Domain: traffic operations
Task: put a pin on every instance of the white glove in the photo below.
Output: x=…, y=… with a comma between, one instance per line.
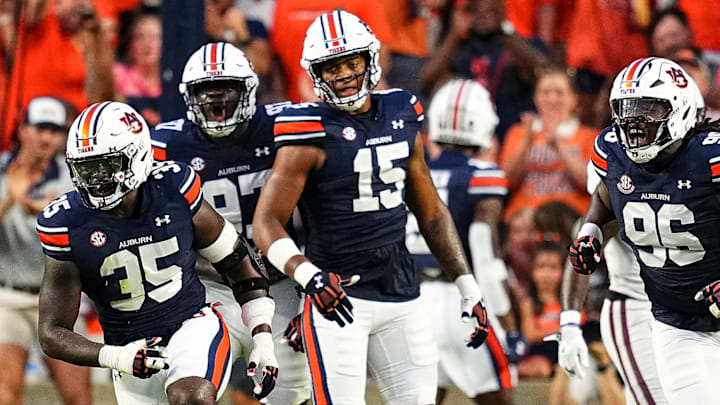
x=573, y=352
x=263, y=356
x=137, y=358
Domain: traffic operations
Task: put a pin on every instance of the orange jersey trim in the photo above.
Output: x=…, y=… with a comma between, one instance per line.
x=299, y=127
x=55, y=240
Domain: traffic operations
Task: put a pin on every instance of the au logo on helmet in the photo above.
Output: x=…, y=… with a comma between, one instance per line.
x=678, y=77
x=133, y=123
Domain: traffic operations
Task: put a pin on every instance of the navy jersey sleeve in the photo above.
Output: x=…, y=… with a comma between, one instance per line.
x=160, y=136
x=300, y=125
x=600, y=151
x=177, y=177
x=487, y=182
x=411, y=110
x=711, y=146
x=53, y=230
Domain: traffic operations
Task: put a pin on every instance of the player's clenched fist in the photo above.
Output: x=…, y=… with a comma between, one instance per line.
x=138, y=358
x=325, y=291
x=585, y=254
x=711, y=295
x=478, y=313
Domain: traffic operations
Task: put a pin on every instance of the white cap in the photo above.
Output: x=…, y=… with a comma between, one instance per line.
x=46, y=110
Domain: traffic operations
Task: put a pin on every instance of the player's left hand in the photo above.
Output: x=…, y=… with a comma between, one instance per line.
x=711, y=295
x=475, y=310
x=293, y=334
x=585, y=254
x=263, y=356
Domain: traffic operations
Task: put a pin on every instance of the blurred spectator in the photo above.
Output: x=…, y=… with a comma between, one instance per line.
x=540, y=310
x=408, y=46
x=668, y=32
x=481, y=45
x=293, y=17
x=704, y=18
x=224, y=22
x=545, y=156
x=138, y=79
x=547, y=20
x=31, y=175
x=62, y=49
x=519, y=249
x=604, y=36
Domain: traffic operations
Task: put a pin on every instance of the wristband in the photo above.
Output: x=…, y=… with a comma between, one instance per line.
x=280, y=252
x=590, y=229
x=257, y=312
x=304, y=272
x=119, y=358
x=468, y=286
x=570, y=317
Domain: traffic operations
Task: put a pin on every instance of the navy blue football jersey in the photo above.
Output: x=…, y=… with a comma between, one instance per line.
x=671, y=219
x=461, y=182
x=139, y=271
x=353, y=206
x=232, y=175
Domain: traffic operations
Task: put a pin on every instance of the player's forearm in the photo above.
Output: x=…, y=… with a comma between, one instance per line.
x=573, y=290
x=445, y=244
x=64, y=344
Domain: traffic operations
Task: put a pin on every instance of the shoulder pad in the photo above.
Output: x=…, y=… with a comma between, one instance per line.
x=177, y=177
x=601, y=148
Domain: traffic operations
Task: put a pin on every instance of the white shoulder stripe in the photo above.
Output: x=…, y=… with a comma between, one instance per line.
x=413, y=99
x=281, y=138
x=598, y=150
x=61, y=229
x=55, y=248
x=197, y=201
x=714, y=160
x=293, y=118
x=158, y=144
x=498, y=173
x=421, y=117
x=186, y=186
x=487, y=190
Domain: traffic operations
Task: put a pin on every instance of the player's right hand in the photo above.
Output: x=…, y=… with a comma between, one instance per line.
x=585, y=254
x=326, y=292
x=293, y=334
x=711, y=295
x=138, y=358
x=573, y=352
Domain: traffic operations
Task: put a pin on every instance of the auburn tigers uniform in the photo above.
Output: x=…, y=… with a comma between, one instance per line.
x=626, y=320
x=461, y=182
x=354, y=210
x=232, y=177
x=140, y=273
x=670, y=219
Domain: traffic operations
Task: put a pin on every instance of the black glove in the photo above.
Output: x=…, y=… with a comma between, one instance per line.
x=711, y=295
x=479, y=314
x=293, y=334
x=585, y=254
x=325, y=291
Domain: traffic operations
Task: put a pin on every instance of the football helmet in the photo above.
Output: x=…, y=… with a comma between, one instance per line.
x=337, y=34
x=218, y=86
x=108, y=153
x=654, y=104
x=461, y=113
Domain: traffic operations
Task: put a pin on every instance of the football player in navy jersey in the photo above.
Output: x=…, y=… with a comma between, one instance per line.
x=462, y=123
x=660, y=168
x=353, y=162
x=129, y=237
x=228, y=141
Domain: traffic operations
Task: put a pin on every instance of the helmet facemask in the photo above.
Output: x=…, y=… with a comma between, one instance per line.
x=642, y=125
x=329, y=88
x=101, y=180
x=220, y=105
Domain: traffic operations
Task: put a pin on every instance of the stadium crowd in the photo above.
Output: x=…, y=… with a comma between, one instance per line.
x=547, y=66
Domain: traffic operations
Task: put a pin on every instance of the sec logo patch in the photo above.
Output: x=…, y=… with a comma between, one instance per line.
x=197, y=163
x=349, y=134
x=98, y=238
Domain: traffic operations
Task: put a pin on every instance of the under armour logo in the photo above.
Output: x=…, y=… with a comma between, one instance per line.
x=318, y=281
x=162, y=221
x=398, y=124
x=264, y=151
x=684, y=184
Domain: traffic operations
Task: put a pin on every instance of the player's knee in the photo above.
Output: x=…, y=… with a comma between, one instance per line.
x=192, y=391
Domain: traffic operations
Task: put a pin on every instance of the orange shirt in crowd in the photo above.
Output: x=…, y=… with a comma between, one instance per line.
x=293, y=17
x=409, y=33
x=604, y=37
x=48, y=62
x=704, y=19
x=545, y=177
x=523, y=15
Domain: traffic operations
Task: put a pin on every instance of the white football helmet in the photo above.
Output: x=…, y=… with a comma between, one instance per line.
x=337, y=34
x=218, y=86
x=108, y=153
x=461, y=113
x=654, y=104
